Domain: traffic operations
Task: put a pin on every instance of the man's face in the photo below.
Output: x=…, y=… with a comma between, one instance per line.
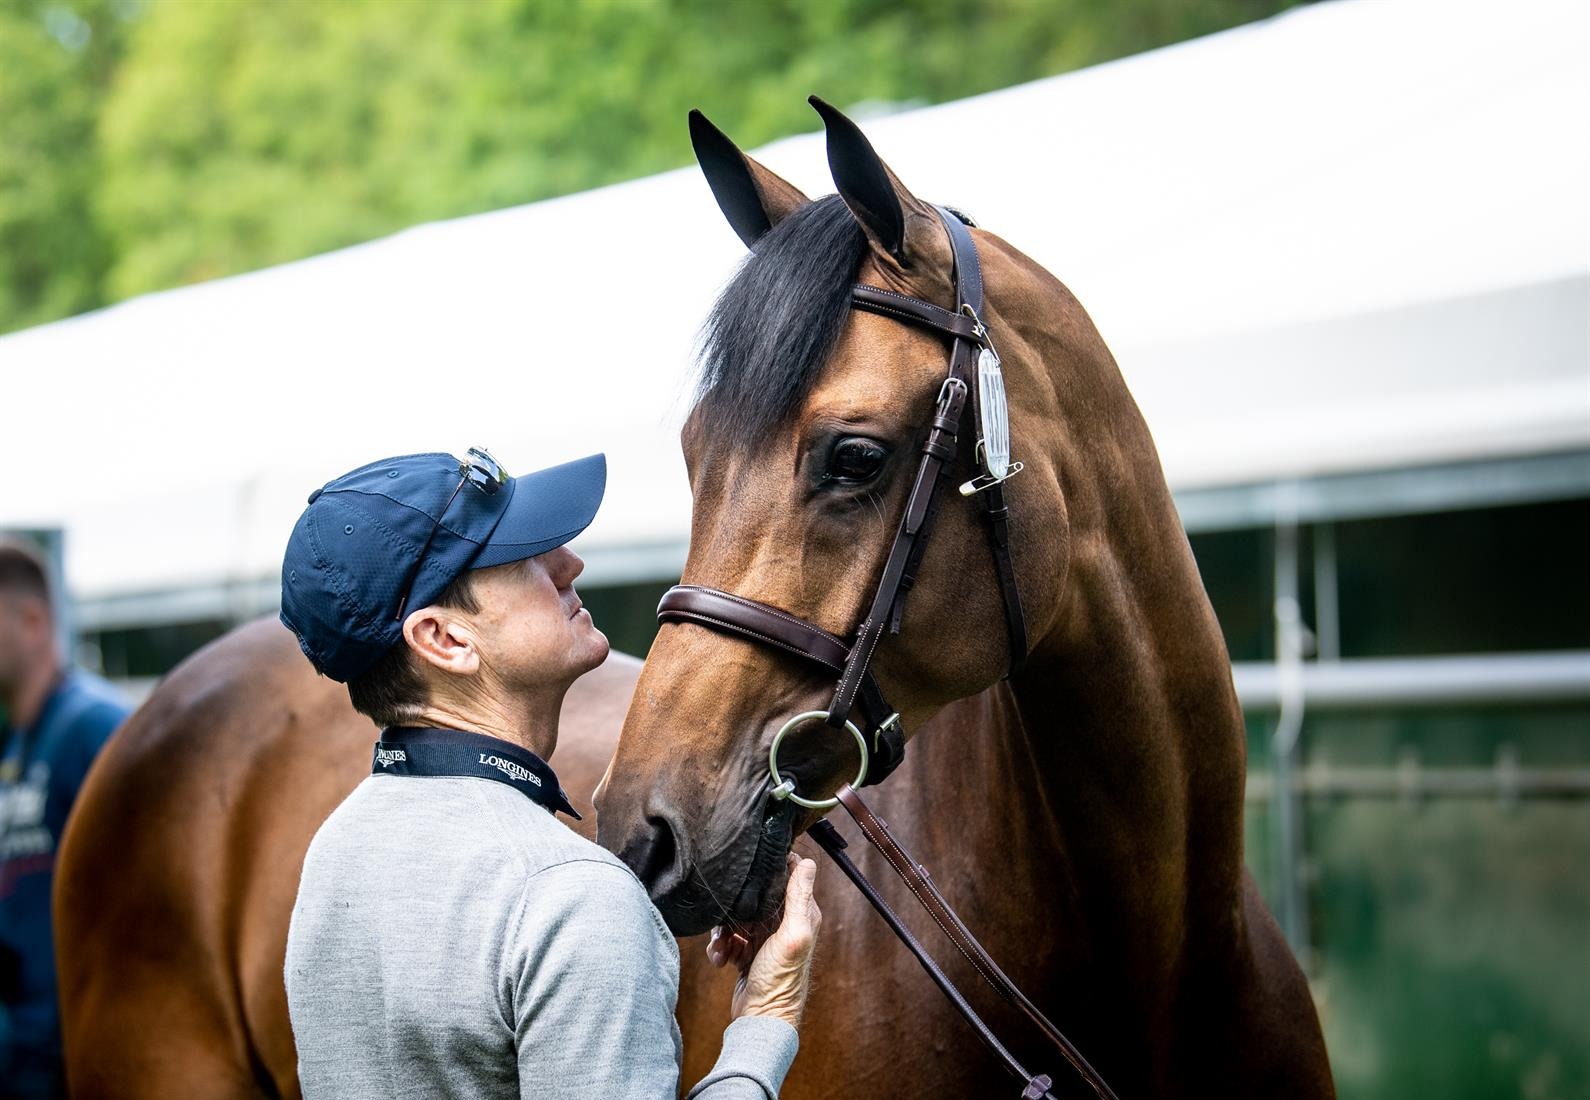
x=24, y=636
x=531, y=626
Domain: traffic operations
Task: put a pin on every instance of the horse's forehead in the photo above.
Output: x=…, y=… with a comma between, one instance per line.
x=875, y=371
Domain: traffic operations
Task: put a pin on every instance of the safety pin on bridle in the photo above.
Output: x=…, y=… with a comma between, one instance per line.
x=988, y=481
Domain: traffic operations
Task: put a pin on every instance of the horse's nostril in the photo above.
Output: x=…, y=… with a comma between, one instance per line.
x=651, y=855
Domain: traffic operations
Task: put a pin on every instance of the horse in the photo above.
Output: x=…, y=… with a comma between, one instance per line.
x=1081, y=800
x=180, y=864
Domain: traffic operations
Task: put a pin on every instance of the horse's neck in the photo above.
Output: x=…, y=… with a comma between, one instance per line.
x=1104, y=782
x=1130, y=716
x=1086, y=815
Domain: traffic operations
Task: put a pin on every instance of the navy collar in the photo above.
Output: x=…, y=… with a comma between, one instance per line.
x=404, y=750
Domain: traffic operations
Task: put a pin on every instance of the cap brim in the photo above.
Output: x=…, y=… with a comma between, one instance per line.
x=547, y=509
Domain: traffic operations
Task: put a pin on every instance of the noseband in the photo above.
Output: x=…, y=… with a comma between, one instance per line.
x=966, y=390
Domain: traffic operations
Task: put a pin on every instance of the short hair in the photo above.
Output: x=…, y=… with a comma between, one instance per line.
x=392, y=691
x=22, y=570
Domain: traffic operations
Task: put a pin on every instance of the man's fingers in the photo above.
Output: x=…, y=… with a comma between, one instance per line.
x=798, y=894
x=798, y=925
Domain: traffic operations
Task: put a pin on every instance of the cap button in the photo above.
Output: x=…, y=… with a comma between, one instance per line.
x=314, y=496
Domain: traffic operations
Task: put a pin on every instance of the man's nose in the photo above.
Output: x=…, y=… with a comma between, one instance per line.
x=570, y=566
x=562, y=565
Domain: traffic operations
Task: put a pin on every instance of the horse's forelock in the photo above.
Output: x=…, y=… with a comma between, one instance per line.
x=777, y=322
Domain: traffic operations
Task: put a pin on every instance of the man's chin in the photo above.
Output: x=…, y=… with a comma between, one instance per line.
x=600, y=647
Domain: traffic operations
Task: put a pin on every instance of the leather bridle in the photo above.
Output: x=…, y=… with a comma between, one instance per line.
x=958, y=396
x=879, y=738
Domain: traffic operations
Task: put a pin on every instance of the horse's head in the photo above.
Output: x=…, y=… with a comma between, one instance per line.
x=801, y=448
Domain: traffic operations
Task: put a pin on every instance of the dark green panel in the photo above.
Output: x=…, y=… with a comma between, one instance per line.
x=149, y=651
x=1239, y=576
x=1488, y=580
x=1451, y=946
x=1450, y=934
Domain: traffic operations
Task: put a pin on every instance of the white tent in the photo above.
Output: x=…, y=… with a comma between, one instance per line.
x=1353, y=238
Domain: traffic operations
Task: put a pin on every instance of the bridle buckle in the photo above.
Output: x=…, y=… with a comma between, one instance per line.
x=890, y=723
x=950, y=383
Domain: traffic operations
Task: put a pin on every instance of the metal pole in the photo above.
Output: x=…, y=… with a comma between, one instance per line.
x=1290, y=640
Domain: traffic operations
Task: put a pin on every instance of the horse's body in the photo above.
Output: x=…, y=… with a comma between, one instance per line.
x=178, y=873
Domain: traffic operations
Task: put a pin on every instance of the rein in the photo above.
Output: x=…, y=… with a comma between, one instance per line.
x=973, y=385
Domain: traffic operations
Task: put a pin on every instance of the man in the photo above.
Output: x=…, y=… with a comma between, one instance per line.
x=451, y=938
x=53, y=721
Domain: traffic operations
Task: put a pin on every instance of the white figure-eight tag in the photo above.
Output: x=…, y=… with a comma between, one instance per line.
x=995, y=413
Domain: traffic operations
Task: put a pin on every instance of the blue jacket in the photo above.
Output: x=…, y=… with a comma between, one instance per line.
x=41, y=769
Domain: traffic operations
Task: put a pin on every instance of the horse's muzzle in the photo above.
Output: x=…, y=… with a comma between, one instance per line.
x=734, y=883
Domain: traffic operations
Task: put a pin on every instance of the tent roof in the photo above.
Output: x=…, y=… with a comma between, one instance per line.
x=1352, y=237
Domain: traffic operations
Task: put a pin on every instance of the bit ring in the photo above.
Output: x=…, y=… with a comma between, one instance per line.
x=785, y=788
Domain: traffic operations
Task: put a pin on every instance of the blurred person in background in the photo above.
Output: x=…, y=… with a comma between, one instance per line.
x=53, y=721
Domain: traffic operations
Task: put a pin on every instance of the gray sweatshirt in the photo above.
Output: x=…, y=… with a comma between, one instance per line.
x=451, y=938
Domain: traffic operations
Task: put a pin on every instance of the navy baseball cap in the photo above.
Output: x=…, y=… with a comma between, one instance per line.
x=353, y=552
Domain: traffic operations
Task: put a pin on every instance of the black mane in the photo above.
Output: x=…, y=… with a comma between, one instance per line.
x=776, y=323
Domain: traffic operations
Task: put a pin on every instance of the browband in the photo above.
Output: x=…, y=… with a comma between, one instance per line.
x=874, y=299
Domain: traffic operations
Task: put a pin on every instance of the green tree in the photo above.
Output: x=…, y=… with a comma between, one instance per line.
x=240, y=133
x=54, y=62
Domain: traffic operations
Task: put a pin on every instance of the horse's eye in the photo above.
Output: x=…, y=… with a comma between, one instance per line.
x=856, y=460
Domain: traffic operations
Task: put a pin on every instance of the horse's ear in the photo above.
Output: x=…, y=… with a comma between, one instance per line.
x=751, y=197
x=895, y=221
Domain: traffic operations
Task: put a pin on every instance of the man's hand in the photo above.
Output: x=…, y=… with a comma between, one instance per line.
x=775, y=982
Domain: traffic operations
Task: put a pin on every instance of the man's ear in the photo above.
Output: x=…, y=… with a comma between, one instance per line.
x=753, y=198
x=442, y=639
x=898, y=224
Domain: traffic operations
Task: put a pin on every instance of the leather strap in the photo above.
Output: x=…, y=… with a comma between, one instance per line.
x=917, y=880
x=768, y=625
x=968, y=270
x=752, y=619
x=938, y=450
x=914, y=561
x=828, y=838
x=914, y=311
x=996, y=516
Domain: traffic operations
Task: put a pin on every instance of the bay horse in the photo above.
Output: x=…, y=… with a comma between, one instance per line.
x=1086, y=811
